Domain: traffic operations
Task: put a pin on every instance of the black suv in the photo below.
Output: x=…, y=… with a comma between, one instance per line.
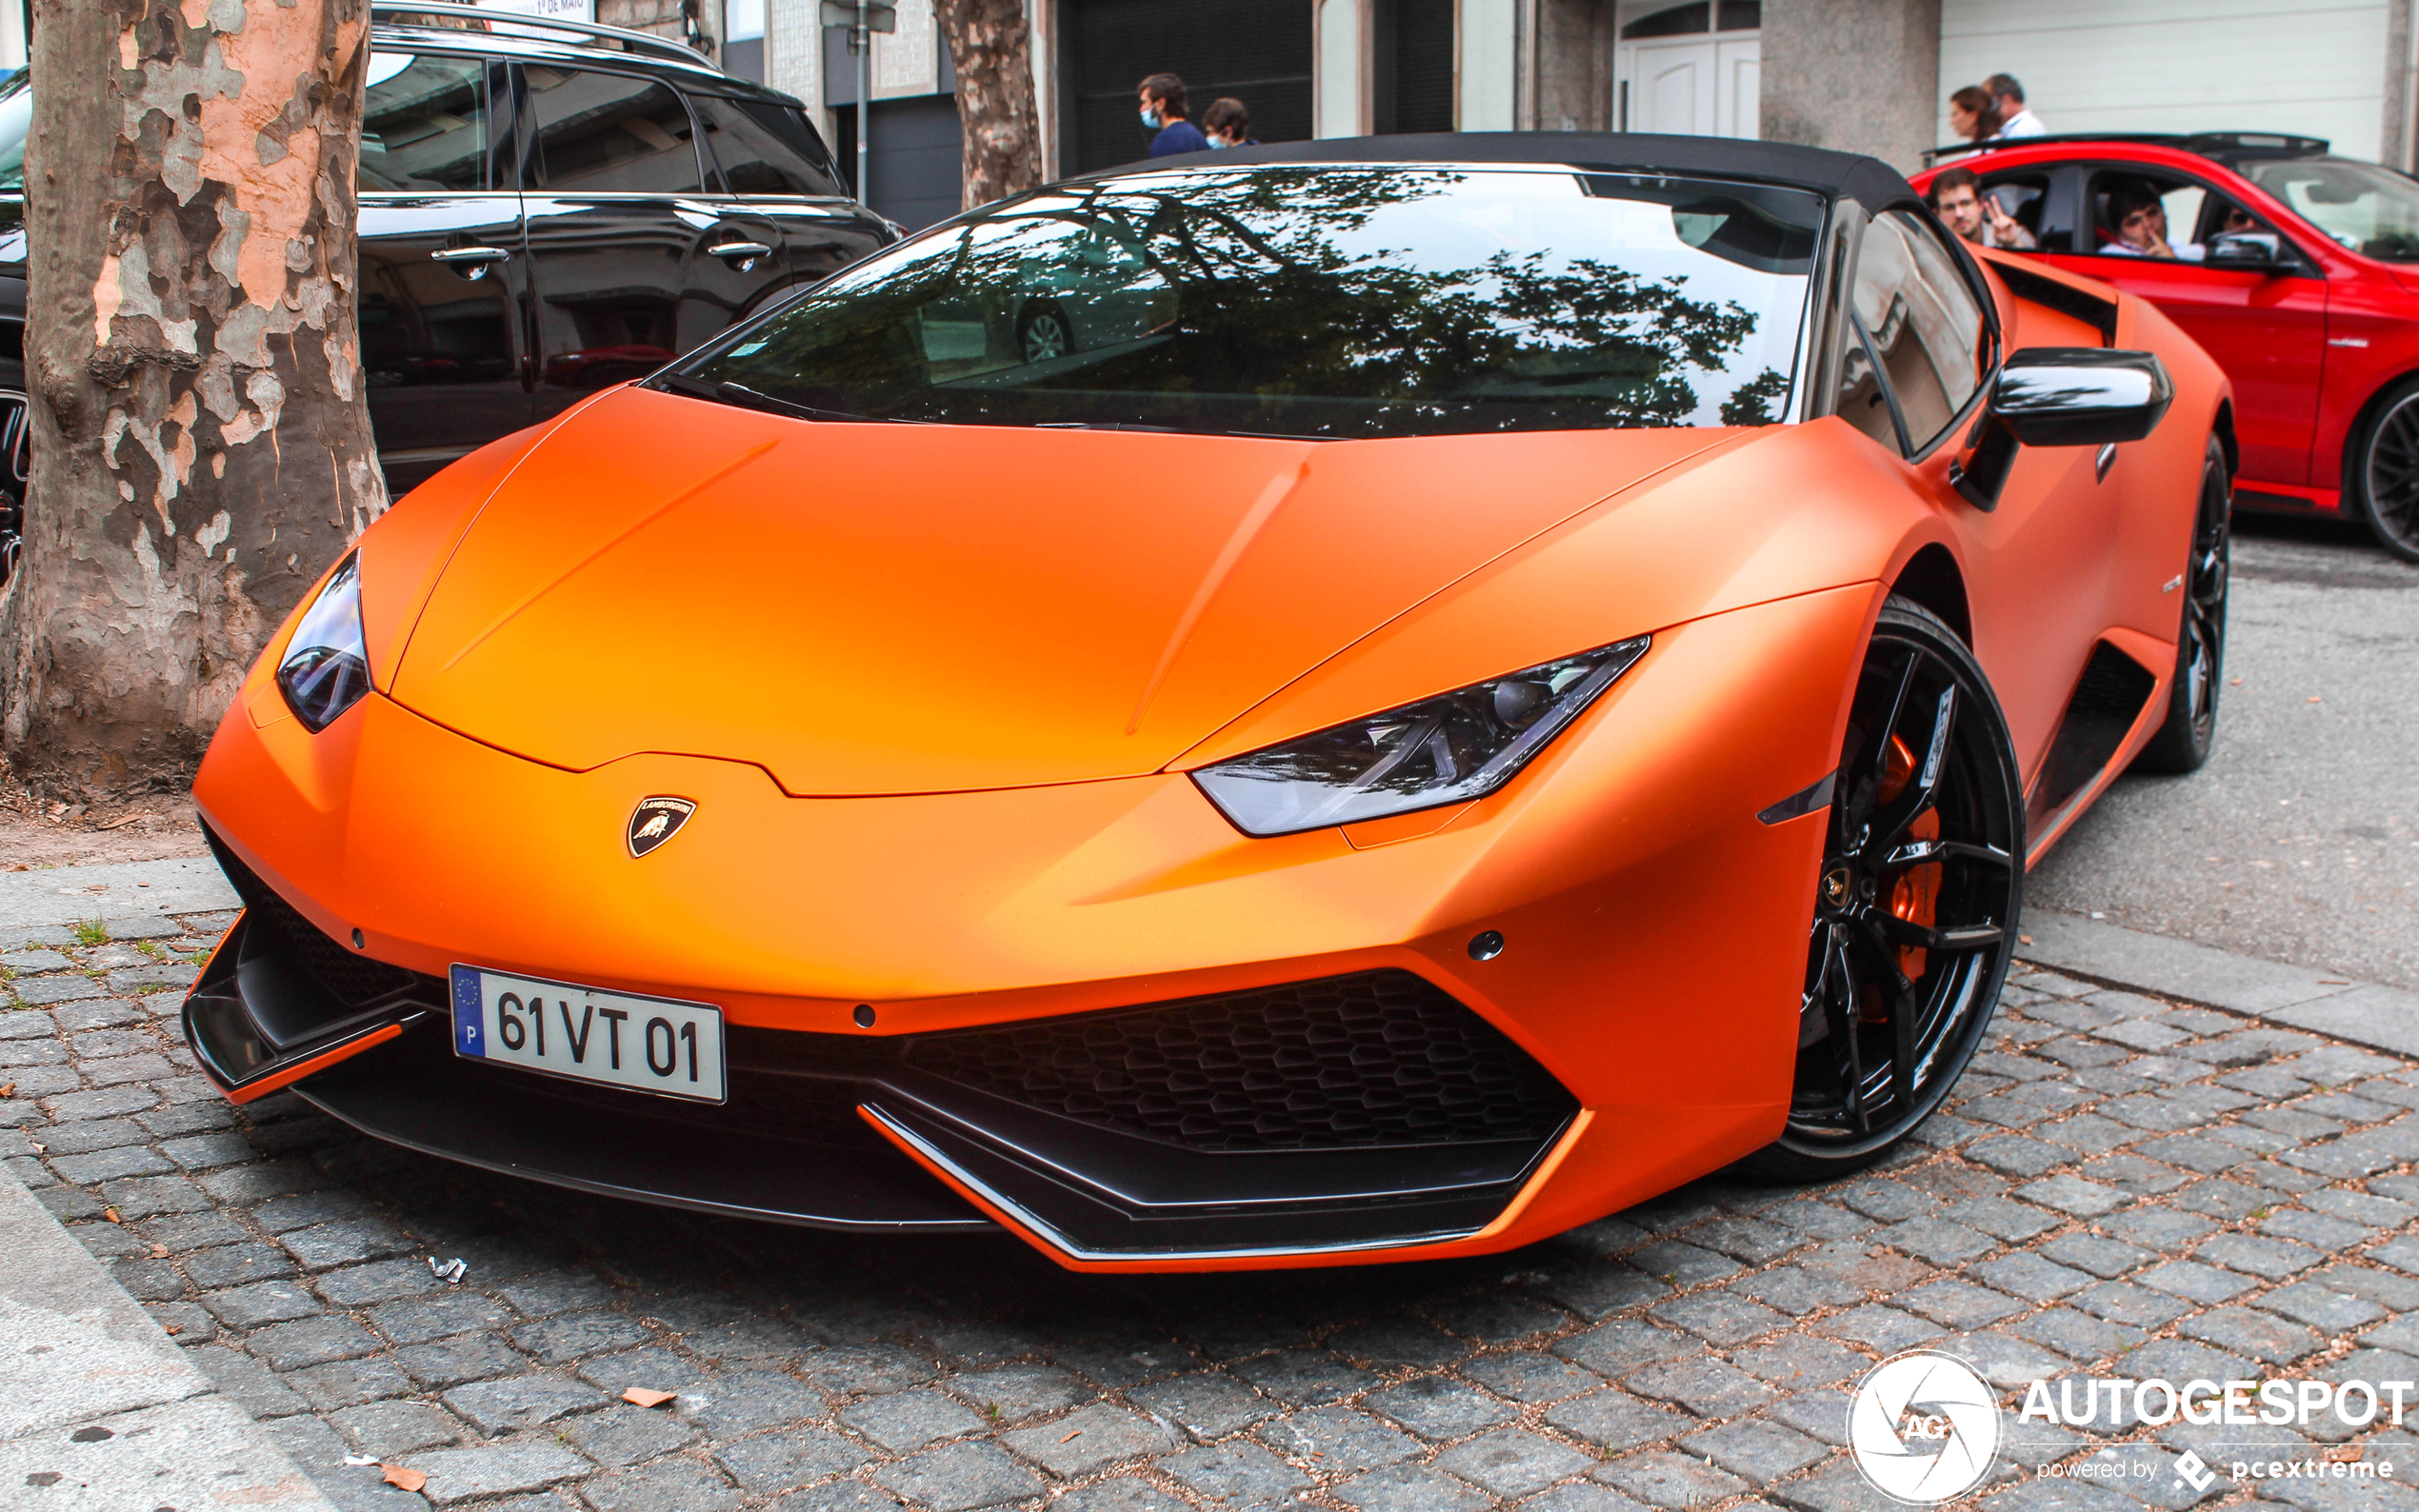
x=547, y=208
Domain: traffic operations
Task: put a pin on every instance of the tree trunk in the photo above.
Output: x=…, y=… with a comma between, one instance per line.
x=992, y=48
x=201, y=446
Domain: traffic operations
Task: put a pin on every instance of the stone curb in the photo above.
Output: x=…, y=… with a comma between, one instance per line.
x=66, y=895
x=2364, y=1013
x=101, y=1406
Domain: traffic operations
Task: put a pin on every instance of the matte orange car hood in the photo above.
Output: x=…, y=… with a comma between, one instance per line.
x=890, y=608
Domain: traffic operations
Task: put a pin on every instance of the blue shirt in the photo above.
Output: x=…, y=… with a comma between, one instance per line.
x=1178, y=136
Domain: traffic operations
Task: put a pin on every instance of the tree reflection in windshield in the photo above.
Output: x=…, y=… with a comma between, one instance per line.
x=1331, y=301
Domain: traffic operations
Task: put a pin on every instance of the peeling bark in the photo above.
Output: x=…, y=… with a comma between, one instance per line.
x=990, y=46
x=201, y=443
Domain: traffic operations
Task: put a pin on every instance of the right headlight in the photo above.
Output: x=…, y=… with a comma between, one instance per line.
x=1446, y=749
x=325, y=669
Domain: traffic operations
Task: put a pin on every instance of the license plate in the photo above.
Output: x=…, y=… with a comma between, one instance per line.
x=648, y=1045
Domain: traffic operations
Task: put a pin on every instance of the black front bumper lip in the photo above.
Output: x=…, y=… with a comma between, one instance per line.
x=819, y=1130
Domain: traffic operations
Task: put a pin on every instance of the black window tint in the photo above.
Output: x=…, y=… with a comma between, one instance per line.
x=608, y=134
x=763, y=147
x=425, y=124
x=1924, y=320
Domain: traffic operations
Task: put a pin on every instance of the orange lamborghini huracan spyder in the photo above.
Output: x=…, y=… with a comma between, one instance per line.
x=1352, y=701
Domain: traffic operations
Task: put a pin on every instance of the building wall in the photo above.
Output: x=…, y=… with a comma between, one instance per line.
x=2315, y=68
x=1854, y=75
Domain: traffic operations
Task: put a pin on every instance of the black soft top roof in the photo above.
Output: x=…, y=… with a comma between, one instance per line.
x=1869, y=181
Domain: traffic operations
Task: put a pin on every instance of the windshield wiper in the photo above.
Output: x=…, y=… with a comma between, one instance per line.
x=746, y=398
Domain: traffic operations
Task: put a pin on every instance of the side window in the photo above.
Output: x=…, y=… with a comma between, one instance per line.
x=1862, y=404
x=2025, y=198
x=1922, y=320
x=2165, y=216
x=425, y=124
x=610, y=133
x=763, y=147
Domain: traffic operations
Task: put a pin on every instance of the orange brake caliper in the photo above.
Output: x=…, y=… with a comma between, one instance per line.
x=1916, y=896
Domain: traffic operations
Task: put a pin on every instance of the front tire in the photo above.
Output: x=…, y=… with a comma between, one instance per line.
x=1916, y=904
x=2183, y=739
x=2384, y=466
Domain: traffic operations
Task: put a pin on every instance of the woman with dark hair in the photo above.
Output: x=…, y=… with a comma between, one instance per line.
x=1973, y=114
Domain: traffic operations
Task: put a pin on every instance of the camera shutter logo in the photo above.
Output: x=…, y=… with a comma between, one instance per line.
x=1923, y=1426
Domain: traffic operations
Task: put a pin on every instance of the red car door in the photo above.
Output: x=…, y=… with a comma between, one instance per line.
x=2267, y=329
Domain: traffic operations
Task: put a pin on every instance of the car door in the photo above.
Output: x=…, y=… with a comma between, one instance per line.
x=1919, y=346
x=636, y=255
x=774, y=170
x=444, y=274
x=2266, y=327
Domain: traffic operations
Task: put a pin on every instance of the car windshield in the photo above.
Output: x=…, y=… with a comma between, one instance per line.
x=2373, y=211
x=1321, y=301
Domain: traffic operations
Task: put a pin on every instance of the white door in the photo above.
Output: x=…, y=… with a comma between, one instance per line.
x=1693, y=86
x=1739, y=88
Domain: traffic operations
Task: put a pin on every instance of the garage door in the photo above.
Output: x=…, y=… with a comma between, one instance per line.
x=1257, y=50
x=2315, y=68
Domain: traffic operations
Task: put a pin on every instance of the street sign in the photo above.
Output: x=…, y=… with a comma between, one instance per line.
x=878, y=17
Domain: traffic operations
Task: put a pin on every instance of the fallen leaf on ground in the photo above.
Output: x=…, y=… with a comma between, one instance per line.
x=1072, y=1437
x=2345, y=1453
x=121, y=824
x=173, y=1329
x=403, y=1479
x=159, y=1252
x=9, y=1090
x=110, y=1213
x=2023, y=939
x=2315, y=699
x=641, y=1397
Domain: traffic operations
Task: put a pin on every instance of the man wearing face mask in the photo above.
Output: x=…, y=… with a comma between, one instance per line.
x=1227, y=125
x=1162, y=97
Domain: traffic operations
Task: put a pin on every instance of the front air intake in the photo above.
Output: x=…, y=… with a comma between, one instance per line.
x=1382, y=1058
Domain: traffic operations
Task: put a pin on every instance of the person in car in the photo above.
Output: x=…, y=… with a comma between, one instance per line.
x=1958, y=200
x=1973, y=114
x=2139, y=219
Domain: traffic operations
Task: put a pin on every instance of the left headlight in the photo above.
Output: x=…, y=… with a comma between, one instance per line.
x=325, y=669
x=1446, y=749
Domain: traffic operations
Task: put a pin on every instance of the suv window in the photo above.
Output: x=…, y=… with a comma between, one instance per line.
x=763, y=147
x=610, y=133
x=1924, y=324
x=425, y=126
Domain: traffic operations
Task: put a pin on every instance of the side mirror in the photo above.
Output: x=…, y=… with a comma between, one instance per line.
x=2259, y=251
x=2060, y=396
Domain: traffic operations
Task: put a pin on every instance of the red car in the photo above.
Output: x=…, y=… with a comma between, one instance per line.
x=2297, y=269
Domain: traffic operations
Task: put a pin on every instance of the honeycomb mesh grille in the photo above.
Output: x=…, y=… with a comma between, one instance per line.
x=1382, y=1058
x=355, y=979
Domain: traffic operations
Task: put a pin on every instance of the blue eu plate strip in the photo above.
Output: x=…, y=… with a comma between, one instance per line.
x=466, y=1015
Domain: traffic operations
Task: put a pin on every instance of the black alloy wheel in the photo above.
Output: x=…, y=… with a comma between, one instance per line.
x=2183, y=739
x=1042, y=332
x=1915, y=906
x=2384, y=484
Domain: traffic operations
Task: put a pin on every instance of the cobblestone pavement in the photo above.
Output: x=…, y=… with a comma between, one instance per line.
x=2163, y=1191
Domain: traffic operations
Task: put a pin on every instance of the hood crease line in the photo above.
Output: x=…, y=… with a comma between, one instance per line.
x=1246, y=530
x=575, y=568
